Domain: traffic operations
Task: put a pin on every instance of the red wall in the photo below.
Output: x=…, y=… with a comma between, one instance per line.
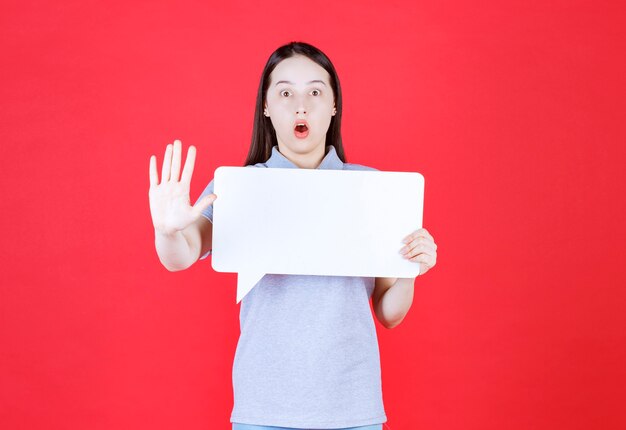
x=513, y=112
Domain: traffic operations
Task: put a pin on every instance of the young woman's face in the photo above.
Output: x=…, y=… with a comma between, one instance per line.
x=300, y=93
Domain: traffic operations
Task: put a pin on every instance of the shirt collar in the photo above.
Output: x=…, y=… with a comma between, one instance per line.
x=331, y=160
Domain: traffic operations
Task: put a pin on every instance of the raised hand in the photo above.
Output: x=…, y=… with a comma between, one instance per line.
x=169, y=200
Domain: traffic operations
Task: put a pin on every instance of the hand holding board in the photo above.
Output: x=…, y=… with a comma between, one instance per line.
x=313, y=222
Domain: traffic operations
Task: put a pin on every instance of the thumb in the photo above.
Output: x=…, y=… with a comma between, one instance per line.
x=423, y=268
x=204, y=203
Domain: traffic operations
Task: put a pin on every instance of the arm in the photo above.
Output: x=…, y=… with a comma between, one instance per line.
x=181, y=233
x=181, y=249
x=392, y=298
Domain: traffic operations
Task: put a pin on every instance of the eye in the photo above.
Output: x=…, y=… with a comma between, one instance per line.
x=282, y=93
x=316, y=92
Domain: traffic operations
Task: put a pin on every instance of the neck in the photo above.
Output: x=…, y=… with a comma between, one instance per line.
x=308, y=160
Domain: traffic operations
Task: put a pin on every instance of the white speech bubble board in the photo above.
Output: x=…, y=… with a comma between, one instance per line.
x=313, y=222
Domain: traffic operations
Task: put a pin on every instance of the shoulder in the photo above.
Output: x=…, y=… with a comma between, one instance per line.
x=350, y=166
x=257, y=165
x=211, y=186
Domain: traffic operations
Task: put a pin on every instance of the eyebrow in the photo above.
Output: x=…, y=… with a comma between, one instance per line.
x=291, y=83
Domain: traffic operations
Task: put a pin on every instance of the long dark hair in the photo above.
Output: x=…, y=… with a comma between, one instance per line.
x=263, y=133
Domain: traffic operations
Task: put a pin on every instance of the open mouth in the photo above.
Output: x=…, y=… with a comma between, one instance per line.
x=301, y=129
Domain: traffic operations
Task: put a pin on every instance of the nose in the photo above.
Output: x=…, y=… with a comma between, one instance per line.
x=301, y=107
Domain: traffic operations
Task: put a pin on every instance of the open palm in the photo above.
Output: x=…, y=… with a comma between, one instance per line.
x=169, y=200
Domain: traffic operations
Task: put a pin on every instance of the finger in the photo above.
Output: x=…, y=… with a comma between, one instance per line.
x=176, y=159
x=408, y=238
x=428, y=260
x=189, y=163
x=420, y=249
x=422, y=232
x=421, y=242
x=167, y=163
x=154, y=176
x=425, y=233
x=203, y=203
x=411, y=237
x=423, y=263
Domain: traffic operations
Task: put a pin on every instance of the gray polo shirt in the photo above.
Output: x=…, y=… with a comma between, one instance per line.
x=307, y=355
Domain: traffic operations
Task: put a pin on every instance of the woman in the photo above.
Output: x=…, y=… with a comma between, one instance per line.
x=307, y=356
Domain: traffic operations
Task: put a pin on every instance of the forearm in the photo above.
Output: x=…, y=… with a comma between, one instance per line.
x=174, y=250
x=396, y=302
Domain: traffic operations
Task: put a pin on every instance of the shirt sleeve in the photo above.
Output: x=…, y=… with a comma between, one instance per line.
x=207, y=212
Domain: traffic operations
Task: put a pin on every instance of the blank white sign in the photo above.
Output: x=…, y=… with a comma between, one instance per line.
x=313, y=222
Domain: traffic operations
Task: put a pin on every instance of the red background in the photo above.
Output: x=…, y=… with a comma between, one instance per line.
x=513, y=112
